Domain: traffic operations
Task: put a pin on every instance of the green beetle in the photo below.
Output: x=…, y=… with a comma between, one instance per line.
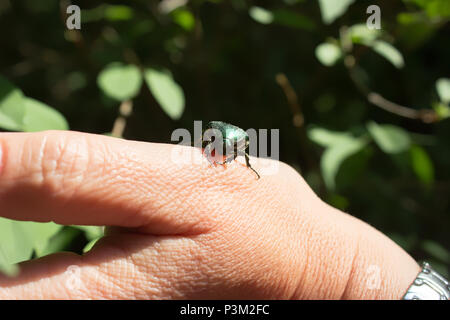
x=233, y=138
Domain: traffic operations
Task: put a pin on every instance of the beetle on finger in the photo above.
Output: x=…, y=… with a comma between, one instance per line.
x=234, y=139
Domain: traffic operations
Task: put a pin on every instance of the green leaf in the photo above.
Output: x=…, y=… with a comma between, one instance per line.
x=443, y=89
x=442, y=110
x=389, y=52
x=166, y=91
x=184, y=18
x=61, y=241
x=261, y=15
x=338, y=201
x=39, y=117
x=8, y=123
x=12, y=106
x=90, y=245
x=359, y=33
x=15, y=244
x=7, y=268
x=438, y=8
x=120, y=82
x=390, y=139
x=76, y=80
x=422, y=165
x=91, y=232
x=292, y=19
x=333, y=9
x=118, y=12
x=354, y=167
x=327, y=138
x=409, y=18
x=334, y=156
x=328, y=53
x=436, y=250
x=40, y=234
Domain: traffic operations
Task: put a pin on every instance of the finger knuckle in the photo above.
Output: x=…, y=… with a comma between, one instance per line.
x=62, y=160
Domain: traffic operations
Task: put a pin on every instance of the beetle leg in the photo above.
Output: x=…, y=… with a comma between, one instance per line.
x=208, y=154
x=247, y=162
x=227, y=159
x=232, y=157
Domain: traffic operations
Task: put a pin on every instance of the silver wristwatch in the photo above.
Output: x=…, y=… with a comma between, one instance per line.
x=428, y=285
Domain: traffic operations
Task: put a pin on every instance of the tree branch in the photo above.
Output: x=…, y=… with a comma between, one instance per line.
x=298, y=120
x=125, y=109
x=425, y=115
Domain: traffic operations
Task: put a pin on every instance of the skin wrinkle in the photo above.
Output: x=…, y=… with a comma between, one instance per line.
x=107, y=270
x=144, y=185
x=192, y=272
x=42, y=160
x=245, y=229
x=80, y=161
x=344, y=293
x=136, y=265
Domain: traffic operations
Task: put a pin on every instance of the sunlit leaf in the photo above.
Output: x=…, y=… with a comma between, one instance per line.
x=443, y=89
x=15, y=244
x=118, y=12
x=442, y=110
x=12, y=106
x=184, y=18
x=120, y=82
x=39, y=117
x=389, y=52
x=327, y=138
x=166, y=91
x=408, y=18
x=334, y=156
x=438, y=8
x=167, y=6
x=422, y=165
x=6, y=267
x=359, y=33
x=261, y=15
x=328, y=53
x=390, y=138
x=40, y=234
x=333, y=9
x=90, y=245
x=8, y=123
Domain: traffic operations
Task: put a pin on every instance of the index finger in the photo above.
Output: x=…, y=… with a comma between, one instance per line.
x=78, y=178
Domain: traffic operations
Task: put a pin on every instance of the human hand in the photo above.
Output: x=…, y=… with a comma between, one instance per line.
x=185, y=230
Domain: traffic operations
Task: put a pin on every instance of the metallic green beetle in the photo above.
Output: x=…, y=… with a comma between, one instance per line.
x=233, y=138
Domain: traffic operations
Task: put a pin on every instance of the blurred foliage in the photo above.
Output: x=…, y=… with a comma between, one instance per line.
x=367, y=127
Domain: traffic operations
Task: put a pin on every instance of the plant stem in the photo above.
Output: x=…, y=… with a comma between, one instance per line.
x=126, y=108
